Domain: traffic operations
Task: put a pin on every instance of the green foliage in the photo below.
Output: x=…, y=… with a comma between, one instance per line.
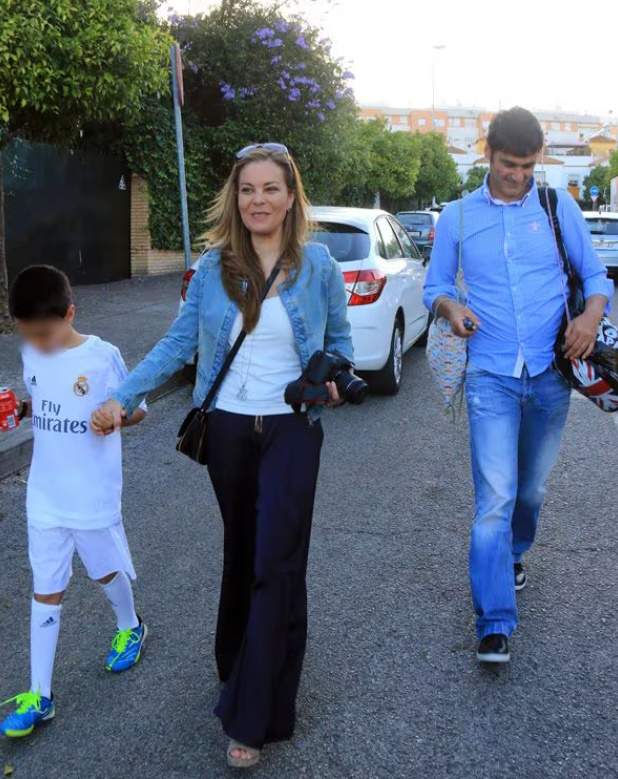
x=150, y=147
x=600, y=177
x=613, y=165
x=381, y=161
x=438, y=175
x=475, y=178
x=249, y=75
x=407, y=170
x=63, y=64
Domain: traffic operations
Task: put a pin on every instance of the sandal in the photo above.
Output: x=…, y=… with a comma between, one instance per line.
x=252, y=759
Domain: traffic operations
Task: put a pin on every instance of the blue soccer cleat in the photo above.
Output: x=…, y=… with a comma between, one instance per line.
x=30, y=710
x=126, y=648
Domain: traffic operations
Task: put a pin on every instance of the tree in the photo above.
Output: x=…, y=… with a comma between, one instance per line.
x=599, y=176
x=613, y=165
x=250, y=74
x=380, y=161
x=475, y=178
x=65, y=64
x=438, y=175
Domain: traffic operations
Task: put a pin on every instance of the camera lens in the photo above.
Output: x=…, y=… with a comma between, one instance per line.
x=350, y=387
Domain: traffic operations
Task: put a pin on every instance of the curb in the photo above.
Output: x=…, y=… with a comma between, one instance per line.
x=15, y=454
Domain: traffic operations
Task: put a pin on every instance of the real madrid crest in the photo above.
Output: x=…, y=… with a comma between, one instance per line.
x=81, y=387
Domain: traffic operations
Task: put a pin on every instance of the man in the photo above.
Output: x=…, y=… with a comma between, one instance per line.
x=517, y=402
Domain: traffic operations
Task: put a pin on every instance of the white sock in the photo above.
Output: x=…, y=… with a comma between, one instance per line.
x=120, y=594
x=44, y=630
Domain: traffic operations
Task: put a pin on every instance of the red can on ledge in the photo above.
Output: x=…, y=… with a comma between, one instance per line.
x=9, y=418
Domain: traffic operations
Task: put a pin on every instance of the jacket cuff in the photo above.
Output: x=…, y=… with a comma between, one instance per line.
x=129, y=404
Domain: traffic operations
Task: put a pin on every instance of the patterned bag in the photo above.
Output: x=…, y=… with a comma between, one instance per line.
x=447, y=353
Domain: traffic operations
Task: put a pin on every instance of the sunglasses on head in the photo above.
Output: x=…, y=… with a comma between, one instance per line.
x=275, y=148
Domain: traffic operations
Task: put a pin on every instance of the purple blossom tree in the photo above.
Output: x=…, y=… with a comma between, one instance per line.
x=227, y=90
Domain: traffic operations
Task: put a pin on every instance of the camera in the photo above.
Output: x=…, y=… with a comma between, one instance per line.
x=311, y=388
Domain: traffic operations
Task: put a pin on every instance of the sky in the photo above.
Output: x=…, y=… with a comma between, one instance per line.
x=541, y=54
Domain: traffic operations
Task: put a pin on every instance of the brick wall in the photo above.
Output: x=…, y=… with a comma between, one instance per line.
x=146, y=261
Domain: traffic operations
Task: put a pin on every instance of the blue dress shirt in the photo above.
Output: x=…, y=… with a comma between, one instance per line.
x=512, y=275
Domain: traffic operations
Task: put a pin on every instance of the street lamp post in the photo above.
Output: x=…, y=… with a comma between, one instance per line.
x=178, y=100
x=436, y=48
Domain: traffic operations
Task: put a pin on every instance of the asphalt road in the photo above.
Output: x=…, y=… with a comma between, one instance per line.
x=391, y=686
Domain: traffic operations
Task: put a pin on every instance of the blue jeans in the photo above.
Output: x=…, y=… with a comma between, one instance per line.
x=515, y=431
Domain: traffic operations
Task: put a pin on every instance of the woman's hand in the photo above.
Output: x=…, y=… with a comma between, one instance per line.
x=107, y=418
x=335, y=398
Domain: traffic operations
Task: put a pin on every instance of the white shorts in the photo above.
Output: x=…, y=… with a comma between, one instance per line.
x=51, y=553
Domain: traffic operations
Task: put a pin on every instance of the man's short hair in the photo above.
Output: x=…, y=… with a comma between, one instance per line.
x=40, y=292
x=516, y=131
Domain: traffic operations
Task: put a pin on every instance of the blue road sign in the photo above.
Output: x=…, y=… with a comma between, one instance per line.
x=594, y=191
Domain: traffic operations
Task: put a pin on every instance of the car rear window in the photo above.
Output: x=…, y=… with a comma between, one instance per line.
x=415, y=220
x=603, y=226
x=345, y=242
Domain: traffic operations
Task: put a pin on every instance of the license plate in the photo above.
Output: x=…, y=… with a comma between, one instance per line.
x=415, y=233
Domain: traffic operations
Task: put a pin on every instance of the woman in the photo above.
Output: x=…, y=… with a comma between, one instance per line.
x=263, y=458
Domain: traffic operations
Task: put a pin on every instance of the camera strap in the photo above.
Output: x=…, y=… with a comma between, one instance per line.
x=229, y=359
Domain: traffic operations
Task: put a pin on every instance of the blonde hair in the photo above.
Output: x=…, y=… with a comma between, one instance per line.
x=241, y=270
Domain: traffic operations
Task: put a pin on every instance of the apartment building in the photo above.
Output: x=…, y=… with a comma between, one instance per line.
x=574, y=143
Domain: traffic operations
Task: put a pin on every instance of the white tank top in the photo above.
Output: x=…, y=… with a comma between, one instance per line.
x=265, y=364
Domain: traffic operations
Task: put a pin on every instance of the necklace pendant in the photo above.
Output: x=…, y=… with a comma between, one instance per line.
x=242, y=393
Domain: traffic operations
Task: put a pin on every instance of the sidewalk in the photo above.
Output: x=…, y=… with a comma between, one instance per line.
x=132, y=314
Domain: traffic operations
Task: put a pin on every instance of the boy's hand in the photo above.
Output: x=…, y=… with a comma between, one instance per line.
x=107, y=418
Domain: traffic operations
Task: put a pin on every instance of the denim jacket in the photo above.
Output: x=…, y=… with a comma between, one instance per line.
x=315, y=301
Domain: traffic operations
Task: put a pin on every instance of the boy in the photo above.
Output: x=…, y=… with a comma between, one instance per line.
x=75, y=482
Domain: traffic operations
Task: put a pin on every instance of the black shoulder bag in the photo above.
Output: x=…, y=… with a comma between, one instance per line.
x=193, y=431
x=596, y=377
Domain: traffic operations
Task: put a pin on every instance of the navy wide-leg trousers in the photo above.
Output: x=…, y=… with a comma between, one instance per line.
x=264, y=472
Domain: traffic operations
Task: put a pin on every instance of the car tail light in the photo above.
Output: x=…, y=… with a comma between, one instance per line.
x=432, y=234
x=186, y=278
x=364, y=286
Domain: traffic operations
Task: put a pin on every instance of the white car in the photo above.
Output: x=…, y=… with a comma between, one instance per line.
x=603, y=226
x=384, y=274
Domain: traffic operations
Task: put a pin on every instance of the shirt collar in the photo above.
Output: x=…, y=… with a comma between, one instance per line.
x=491, y=199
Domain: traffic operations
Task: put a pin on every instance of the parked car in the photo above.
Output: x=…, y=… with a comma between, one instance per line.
x=603, y=226
x=384, y=273
x=421, y=227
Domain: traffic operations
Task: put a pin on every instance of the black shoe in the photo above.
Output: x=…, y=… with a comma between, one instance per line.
x=520, y=576
x=494, y=648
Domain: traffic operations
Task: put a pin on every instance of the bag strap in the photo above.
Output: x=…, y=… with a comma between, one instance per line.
x=549, y=200
x=229, y=359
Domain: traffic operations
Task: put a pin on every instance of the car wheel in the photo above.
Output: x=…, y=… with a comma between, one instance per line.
x=388, y=380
